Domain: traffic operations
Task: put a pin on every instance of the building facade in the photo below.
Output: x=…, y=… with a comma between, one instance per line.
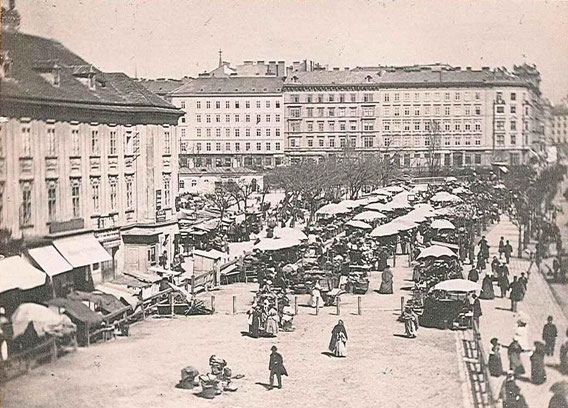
x=84, y=154
x=559, y=124
x=231, y=122
x=204, y=181
x=461, y=117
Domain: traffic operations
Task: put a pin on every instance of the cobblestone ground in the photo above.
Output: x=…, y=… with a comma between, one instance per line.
x=498, y=321
x=383, y=368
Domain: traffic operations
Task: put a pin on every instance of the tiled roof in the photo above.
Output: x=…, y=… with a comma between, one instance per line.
x=212, y=85
x=402, y=76
x=560, y=110
x=216, y=171
x=162, y=86
x=31, y=56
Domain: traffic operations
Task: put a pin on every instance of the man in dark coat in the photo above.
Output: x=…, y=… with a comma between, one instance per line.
x=477, y=313
x=549, y=334
x=517, y=293
x=525, y=282
x=508, y=251
x=276, y=367
x=473, y=275
x=501, y=247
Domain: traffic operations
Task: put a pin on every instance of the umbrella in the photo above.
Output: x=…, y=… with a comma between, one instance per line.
x=369, y=216
x=445, y=197
x=436, y=251
x=461, y=190
x=442, y=224
x=394, y=189
x=457, y=285
x=375, y=207
x=332, y=209
x=392, y=228
x=358, y=224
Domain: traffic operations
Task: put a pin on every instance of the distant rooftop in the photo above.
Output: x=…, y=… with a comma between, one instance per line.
x=228, y=85
x=216, y=171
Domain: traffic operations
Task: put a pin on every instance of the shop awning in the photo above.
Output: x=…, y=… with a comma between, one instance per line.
x=50, y=260
x=82, y=250
x=16, y=273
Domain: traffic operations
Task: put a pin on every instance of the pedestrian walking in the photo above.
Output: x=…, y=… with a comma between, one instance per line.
x=501, y=247
x=564, y=356
x=410, y=322
x=276, y=367
x=477, y=313
x=538, y=372
x=515, y=363
x=525, y=282
x=338, y=341
x=549, y=334
x=508, y=252
x=487, y=291
x=473, y=275
x=494, y=362
x=386, y=282
x=503, y=280
x=510, y=393
x=516, y=294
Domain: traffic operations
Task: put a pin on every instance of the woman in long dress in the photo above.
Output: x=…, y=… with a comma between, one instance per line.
x=522, y=332
x=316, y=294
x=272, y=322
x=564, y=358
x=515, y=362
x=410, y=323
x=494, y=362
x=386, y=282
x=538, y=372
x=339, y=328
x=487, y=288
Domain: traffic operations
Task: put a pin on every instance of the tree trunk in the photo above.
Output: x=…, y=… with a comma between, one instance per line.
x=520, y=245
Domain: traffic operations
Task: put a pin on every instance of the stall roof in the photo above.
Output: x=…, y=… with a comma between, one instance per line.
x=50, y=260
x=211, y=254
x=81, y=250
x=119, y=291
x=137, y=231
x=77, y=311
x=16, y=273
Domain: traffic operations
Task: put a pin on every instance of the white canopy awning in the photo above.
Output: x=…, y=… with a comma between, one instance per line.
x=16, y=273
x=369, y=216
x=82, y=250
x=436, y=251
x=358, y=224
x=50, y=260
x=442, y=224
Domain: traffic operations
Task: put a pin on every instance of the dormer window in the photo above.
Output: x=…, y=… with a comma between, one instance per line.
x=368, y=79
x=295, y=79
x=87, y=75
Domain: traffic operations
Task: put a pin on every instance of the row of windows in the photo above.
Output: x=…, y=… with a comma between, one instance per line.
x=227, y=104
x=393, y=141
x=397, y=97
x=76, y=185
x=229, y=147
x=237, y=118
x=131, y=143
x=237, y=132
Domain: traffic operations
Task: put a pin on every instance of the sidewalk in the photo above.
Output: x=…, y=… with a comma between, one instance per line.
x=498, y=321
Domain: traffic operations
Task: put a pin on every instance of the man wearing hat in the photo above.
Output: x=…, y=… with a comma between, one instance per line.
x=276, y=367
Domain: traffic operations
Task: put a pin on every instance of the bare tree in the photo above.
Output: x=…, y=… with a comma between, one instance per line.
x=240, y=191
x=221, y=199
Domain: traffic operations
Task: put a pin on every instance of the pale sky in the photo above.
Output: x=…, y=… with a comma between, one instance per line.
x=173, y=38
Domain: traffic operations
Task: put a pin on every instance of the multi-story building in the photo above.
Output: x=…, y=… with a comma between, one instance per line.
x=231, y=122
x=462, y=117
x=87, y=160
x=559, y=124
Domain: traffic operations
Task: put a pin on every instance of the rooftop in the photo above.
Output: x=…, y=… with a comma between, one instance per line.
x=33, y=59
x=162, y=86
x=217, y=171
x=217, y=85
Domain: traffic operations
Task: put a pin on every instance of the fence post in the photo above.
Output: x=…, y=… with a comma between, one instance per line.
x=213, y=303
x=317, y=305
x=359, y=305
x=234, y=304
x=54, y=351
x=88, y=334
x=172, y=304
x=401, y=304
x=192, y=285
x=338, y=305
x=295, y=305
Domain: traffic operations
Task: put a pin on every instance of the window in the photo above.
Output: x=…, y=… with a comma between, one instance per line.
x=457, y=96
x=513, y=96
x=277, y=132
x=198, y=104
x=437, y=109
x=208, y=104
x=386, y=97
x=367, y=142
x=386, y=126
x=513, y=139
x=353, y=142
x=368, y=97
x=477, y=110
x=167, y=190
x=268, y=146
x=406, y=97
x=500, y=138
x=446, y=111
x=113, y=185
x=477, y=126
x=292, y=142
x=477, y=96
x=386, y=111
x=407, y=111
x=447, y=141
x=500, y=109
x=457, y=126
x=446, y=96
x=331, y=112
x=208, y=146
x=208, y=118
x=397, y=97
x=294, y=113
x=258, y=132
x=331, y=142
x=267, y=131
x=237, y=118
x=228, y=147
x=467, y=126
x=467, y=140
x=396, y=110
x=182, y=105
x=258, y=146
x=218, y=146
x=237, y=147
x=237, y=105
x=277, y=145
x=167, y=143
x=416, y=111
x=26, y=142
x=369, y=126
x=247, y=146
x=26, y=208
x=447, y=126
x=198, y=132
x=51, y=143
x=368, y=111
x=457, y=140
x=247, y=105
x=217, y=104
x=331, y=97
x=500, y=125
x=95, y=193
x=277, y=103
x=51, y=200
x=112, y=143
x=352, y=125
x=198, y=118
x=76, y=197
x=342, y=142
x=513, y=109
x=342, y=126
x=353, y=97
x=152, y=255
x=218, y=132
x=276, y=118
x=416, y=125
x=513, y=125
x=208, y=132
x=227, y=104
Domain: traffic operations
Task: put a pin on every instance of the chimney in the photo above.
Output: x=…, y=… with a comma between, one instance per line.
x=346, y=68
x=336, y=68
x=485, y=68
x=468, y=68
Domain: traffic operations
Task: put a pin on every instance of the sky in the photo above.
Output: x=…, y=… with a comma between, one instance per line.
x=174, y=38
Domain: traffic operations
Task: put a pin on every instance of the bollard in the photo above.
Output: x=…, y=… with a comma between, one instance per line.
x=172, y=304
x=295, y=305
x=359, y=305
x=401, y=304
x=213, y=304
x=234, y=304
x=317, y=305
x=338, y=305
